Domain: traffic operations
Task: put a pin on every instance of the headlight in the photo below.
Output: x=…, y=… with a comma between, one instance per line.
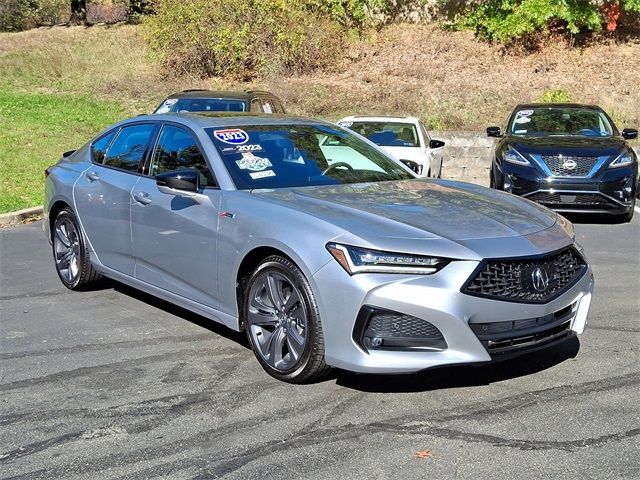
x=511, y=155
x=622, y=160
x=363, y=260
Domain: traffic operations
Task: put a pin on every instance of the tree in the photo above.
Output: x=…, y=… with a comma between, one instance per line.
x=78, y=12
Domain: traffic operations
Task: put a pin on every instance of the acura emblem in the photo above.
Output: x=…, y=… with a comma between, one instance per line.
x=569, y=164
x=540, y=279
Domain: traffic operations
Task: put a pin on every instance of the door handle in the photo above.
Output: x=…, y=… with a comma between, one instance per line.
x=142, y=197
x=93, y=176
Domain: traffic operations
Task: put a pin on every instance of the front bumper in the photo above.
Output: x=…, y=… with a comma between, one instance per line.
x=609, y=191
x=437, y=299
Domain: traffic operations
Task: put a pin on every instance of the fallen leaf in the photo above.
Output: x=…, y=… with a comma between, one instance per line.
x=424, y=454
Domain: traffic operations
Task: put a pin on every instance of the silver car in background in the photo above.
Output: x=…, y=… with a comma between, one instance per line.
x=324, y=250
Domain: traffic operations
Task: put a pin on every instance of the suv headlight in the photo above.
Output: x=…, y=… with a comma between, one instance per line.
x=511, y=155
x=622, y=160
x=363, y=260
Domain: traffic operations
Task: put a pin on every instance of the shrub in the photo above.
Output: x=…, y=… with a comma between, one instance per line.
x=249, y=38
x=556, y=96
x=16, y=15
x=509, y=20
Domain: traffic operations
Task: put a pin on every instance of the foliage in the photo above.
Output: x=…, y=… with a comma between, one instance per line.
x=508, y=20
x=241, y=39
x=556, y=96
x=17, y=15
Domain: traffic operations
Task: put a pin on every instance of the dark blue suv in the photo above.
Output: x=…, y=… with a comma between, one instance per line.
x=568, y=157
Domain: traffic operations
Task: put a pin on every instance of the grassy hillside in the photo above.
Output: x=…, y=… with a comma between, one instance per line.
x=59, y=86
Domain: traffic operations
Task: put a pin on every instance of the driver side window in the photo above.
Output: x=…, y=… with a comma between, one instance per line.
x=177, y=150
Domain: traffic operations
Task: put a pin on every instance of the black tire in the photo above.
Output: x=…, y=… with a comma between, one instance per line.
x=79, y=274
x=310, y=365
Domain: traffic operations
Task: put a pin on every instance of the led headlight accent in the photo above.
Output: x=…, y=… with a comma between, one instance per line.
x=511, y=155
x=622, y=160
x=361, y=260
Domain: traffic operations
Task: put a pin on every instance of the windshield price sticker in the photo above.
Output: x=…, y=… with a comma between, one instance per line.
x=345, y=124
x=524, y=113
x=265, y=174
x=231, y=136
x=251, y=162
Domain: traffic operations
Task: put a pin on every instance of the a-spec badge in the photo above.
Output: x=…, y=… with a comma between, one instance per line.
x=232, y=136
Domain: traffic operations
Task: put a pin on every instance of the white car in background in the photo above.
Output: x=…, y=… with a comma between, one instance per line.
x=404, y=138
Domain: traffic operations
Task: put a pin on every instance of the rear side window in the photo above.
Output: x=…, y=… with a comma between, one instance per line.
x=177, y=150
x=99, y=147
x=127, y=150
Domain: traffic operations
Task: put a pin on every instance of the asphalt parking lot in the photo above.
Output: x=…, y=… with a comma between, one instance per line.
x=116, y=384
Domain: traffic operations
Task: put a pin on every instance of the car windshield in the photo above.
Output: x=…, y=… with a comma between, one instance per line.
x=561, y=121
x=386, y=134
x=202, y=105
x=281, y=156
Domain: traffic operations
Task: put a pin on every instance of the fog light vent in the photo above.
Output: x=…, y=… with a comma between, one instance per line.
x=378, y=329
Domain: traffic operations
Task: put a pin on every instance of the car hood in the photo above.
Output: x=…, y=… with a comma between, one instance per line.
x=567, y=145
x=418, y=209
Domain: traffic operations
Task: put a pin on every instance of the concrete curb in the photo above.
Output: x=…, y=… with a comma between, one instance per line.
x=14, y=218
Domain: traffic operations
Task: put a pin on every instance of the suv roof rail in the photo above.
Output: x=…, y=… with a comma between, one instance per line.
x=257, y=91
x=195, y=90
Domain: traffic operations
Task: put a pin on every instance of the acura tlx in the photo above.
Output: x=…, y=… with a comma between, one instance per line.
x=312, y=240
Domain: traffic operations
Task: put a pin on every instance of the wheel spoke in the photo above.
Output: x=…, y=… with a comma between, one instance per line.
x=293, y=302
x=275, y=346
x=62, y=235
x=295, y=342
x=274, y=290
x=261, y=319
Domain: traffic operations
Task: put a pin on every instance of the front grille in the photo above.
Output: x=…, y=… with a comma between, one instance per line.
x=520, y=335
x=568, y=165
x=588, y=199
x=536, y=280
x=385, y=329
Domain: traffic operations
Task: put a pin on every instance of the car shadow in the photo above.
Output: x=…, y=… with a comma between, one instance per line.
x=460, y=376
x=199, y=320
x=427, y=380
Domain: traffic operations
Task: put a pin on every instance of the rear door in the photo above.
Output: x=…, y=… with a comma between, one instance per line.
x=102, y=195
x=175, y=237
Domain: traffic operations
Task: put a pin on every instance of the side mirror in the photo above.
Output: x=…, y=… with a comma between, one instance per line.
x=629, y=133
x=494, y=132
x=412, y=165
x=68, y=153
x=436, y=144
x=183, y=180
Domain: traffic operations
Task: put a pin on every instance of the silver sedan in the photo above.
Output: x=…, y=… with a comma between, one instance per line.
x=309, y=238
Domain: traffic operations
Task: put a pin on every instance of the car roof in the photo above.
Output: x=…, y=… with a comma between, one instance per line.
x=202, y=93
x=226, y=119
x=556, y=105
x=379, y=118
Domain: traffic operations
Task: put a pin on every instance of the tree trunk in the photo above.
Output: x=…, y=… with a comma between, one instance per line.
x=78, y=12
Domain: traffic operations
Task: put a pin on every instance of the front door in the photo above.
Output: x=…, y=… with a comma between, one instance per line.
x=102, y=195
x=175, y=237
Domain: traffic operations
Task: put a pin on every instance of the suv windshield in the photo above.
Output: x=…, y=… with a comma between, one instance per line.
x=386, y=134
x=561, y=121
x=202, y=105
x=281, y=156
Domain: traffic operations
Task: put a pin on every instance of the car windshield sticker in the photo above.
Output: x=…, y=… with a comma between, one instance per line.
x=231, y=136
x=524, y=113
x=523, y=119
x=266, y=173
x=345, y=124
x=242, y=148
x=166, y=106
x=520, y=131
x=251, y=162
x=266, y=108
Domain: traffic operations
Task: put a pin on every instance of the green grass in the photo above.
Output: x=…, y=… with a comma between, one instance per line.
x=36, y=129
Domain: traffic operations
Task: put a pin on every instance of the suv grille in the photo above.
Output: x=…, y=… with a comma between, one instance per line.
x=537, y=280
x=569, y=166
x=548, y=198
